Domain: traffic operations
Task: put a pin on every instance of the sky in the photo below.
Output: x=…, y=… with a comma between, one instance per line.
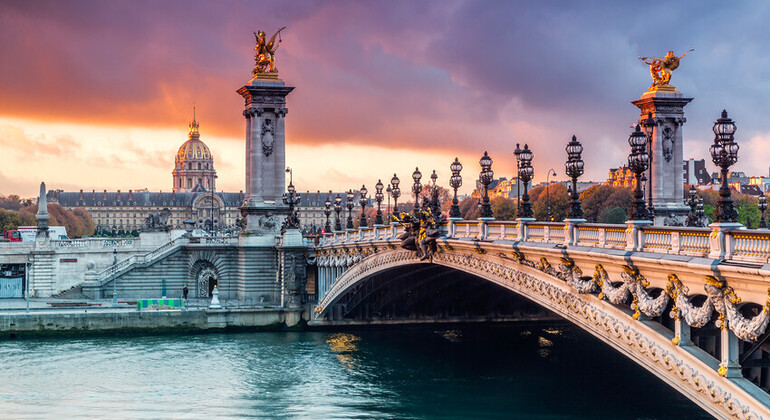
x=98, y=94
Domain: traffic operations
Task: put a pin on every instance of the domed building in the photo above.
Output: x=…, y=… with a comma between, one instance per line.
x=193, y=197
x=194, y=164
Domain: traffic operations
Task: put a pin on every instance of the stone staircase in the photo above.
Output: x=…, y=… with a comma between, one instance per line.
x=74, y=292
x=122, y=267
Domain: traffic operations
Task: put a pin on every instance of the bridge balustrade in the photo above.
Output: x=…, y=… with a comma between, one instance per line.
x=751, y=245
x=738, y=244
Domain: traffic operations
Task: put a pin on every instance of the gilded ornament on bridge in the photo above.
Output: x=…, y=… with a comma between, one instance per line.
x=661, y=68
x=264, y=55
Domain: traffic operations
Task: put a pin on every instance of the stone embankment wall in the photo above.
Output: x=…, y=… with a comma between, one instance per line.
x=44, y=322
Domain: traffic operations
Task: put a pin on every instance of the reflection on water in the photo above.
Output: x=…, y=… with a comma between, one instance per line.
x=345, y=346
x=414, y=373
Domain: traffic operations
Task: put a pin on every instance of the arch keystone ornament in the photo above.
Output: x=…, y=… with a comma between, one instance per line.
x=568, y=293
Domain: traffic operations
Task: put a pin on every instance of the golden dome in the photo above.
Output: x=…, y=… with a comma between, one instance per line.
x=193, y=149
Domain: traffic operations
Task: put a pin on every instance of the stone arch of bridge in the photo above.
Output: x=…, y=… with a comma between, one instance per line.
x=687, y=370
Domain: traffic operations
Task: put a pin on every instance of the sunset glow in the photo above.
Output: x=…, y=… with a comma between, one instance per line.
x=379, y=88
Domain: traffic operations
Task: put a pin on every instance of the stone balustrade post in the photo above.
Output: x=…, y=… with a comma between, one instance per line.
x=571, y=232
x=721, y=242
x=602, y=238
x=483, y=228
x=523, y=228
x=452, y=226
x=635, y=235
x=675, y=243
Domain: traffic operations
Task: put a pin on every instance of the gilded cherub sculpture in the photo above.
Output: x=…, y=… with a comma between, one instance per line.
x=661, y=68
x=264, y=57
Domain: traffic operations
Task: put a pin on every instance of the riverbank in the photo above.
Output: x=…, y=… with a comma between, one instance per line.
x=16, y=322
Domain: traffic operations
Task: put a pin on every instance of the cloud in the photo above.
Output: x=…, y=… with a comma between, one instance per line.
x=420, y=76
x=14, y=138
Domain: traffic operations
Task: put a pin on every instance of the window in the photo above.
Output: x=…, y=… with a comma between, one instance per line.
x=189, y=182
x=189, y=166
x=199, y=166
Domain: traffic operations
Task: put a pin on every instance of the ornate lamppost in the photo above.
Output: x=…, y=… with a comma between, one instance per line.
x=517, y=154
x=485, y=177
x=389, y=192
x=548, y=193
x=692, y=202
x=328, y=212
x=378, y=196
x=648, y=125
x=337, y=210
x=724, y=153
x=762, y=207
x=362, y=200
x=435, y=206
x=455, y=181
x=416, y=188
x=700, y=213
x=574, y=168
x=526, y=171
x=292, y=199
x=396, y=192
x=350, y=204
x=638, y=162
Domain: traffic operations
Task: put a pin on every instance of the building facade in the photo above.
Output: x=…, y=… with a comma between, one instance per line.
x=193, y=196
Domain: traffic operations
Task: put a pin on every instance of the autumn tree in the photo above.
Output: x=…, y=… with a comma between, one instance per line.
x=504, y=209
x=555, y=197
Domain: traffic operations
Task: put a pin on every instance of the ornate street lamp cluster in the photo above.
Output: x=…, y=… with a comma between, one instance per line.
x=638, y=162
x=362, y=200
x=416, y=188
x=724, y=153
x=526, y=172
x=455, y=181
x=291, y=198
x=378, y=196
x=648, y=125
x=485, y=177
x=574, y=168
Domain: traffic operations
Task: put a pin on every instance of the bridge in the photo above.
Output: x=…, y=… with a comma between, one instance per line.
x=688, y=304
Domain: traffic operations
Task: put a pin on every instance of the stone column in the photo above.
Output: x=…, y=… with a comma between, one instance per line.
x=265, y=102
x=666, y=170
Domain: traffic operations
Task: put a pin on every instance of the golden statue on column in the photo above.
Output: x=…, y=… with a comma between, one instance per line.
x=661, y=68
x=264, y=57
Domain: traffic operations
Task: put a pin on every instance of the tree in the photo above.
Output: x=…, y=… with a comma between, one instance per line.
x=592, y=200
x=11, y=202
x=469, y=208
x=504, y=209
x=613, y=215
x=554, y=196
x=77, y=222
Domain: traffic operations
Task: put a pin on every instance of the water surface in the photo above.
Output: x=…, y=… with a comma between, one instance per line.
x=415, y=373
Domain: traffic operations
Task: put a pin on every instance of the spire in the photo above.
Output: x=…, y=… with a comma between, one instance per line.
x=42, y=211
x=194, y=135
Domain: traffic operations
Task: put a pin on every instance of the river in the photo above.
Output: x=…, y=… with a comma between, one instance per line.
x=496, y=372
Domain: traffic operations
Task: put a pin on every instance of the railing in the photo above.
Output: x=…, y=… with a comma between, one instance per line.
x=120, y=266
x=751, y=245
x=95, y=243
x=657, y=240
x=728, y=243
x=694, y=241
x=223, y=240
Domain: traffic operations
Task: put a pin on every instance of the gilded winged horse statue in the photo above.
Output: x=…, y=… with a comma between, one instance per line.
x=264, y=58
x=661, y=68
